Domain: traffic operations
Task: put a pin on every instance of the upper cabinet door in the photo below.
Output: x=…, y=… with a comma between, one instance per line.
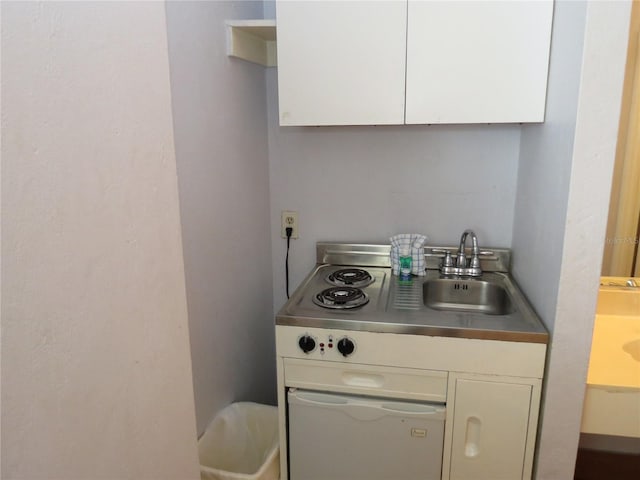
x=477, y=61
x=341, y=62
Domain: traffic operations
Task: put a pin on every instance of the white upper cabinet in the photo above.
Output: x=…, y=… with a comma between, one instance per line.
x=477, y=61
x=343, y=62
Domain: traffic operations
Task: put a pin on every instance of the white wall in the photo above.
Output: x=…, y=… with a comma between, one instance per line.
x=220, y=124
x=561, y=210
x=96, y=374
x=368, y=183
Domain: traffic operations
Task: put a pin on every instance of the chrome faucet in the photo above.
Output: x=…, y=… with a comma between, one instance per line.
x=473, y=269
x=627, y=283
x=461, y=267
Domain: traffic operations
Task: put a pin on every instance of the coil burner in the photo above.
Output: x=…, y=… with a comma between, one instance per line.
x=350, y=277
x=341, y=298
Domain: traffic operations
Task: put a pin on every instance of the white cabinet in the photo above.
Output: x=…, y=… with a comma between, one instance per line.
x=477, y=62
x=489, y=436
x=341, y=63
x=350, y=62
x=491, y=388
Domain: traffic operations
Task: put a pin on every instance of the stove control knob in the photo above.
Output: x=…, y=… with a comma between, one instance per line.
x=346, y=346
x=307, y=343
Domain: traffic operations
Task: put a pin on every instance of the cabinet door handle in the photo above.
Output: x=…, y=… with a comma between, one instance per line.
x=472, y=437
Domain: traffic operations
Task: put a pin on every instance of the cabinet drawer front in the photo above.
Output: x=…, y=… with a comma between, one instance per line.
x=393, y=382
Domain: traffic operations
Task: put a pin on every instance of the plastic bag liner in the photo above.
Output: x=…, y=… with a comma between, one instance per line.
x=241, y=443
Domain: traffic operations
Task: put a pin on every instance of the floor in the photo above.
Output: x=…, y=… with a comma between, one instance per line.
x=601, y=465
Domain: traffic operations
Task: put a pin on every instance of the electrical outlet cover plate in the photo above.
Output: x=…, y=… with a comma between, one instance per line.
x=289, y=219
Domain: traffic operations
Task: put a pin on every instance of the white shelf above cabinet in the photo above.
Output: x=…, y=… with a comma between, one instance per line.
x=252, y=40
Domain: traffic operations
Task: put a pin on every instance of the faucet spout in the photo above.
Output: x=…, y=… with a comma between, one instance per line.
x=462, y=259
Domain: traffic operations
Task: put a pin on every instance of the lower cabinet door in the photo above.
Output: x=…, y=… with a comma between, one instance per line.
x=489, y=430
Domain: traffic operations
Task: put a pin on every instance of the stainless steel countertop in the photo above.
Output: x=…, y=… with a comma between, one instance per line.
x=397, y=307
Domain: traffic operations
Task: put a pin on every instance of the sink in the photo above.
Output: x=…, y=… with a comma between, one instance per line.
x=467, y=295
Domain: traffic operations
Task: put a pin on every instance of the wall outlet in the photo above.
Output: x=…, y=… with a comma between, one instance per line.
x=289, y=219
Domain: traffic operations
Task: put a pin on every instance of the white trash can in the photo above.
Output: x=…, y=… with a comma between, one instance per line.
x=241, y=443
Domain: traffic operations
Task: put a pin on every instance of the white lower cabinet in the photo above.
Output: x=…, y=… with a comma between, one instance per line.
x=491, y=428
x=490, y=390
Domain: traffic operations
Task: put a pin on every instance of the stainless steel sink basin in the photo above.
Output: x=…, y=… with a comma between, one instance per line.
x=467, y=295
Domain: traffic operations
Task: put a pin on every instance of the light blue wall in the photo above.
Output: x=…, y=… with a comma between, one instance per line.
x=364, y=184
x=510, y=183
x=219, y=110
x=546, y=153
x=562, y=205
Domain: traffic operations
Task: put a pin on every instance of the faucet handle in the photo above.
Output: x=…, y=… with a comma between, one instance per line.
x=447, y=261
x=475, y=259
x=461, y=259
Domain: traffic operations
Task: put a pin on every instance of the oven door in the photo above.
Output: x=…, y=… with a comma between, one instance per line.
x=341, y=437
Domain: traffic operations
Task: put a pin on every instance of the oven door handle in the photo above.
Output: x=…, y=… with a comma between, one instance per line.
x=413, y=409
